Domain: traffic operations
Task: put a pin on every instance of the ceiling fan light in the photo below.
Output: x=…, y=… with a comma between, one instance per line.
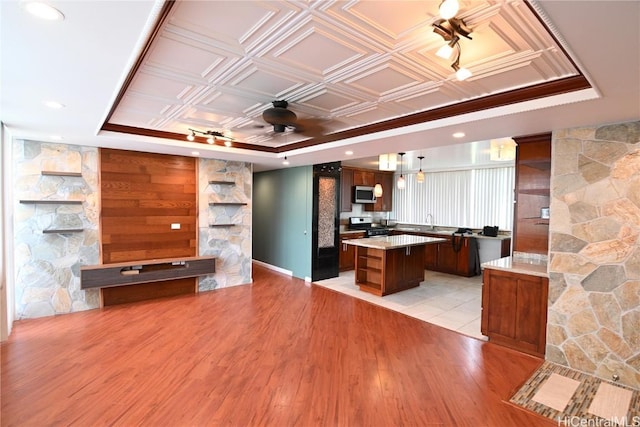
x=191, y=136
x=227, y=143
x=210, y=140
x=448, y=9
x=445, y=52
x=463, y=73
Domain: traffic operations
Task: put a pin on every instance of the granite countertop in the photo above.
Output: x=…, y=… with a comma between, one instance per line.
x=351, y=231
x=522, y=265
x=393, y=242
x=449, y=232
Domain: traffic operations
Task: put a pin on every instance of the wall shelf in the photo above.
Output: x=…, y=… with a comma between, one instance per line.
x=221, y=225
x=57, y=173
x=213, y=182
x=227, y=203
x=63, y=230
x=52, y=202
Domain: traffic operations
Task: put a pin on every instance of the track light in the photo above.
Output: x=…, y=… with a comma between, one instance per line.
x=448, y=8
x=211, y=135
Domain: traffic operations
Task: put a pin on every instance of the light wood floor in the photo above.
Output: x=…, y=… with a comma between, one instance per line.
x=279, y=352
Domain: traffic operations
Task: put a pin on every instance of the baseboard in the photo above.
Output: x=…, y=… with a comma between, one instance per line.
x=273, y=267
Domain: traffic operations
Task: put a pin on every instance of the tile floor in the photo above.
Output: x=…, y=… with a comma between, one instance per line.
x=446, y=300
x=573, y=398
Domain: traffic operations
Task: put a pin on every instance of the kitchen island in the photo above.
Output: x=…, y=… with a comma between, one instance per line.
x=389, y=264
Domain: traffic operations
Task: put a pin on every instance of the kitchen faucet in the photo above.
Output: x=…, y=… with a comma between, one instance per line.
x=430, y=221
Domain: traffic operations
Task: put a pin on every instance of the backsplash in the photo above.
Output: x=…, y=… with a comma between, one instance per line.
x=594, y=268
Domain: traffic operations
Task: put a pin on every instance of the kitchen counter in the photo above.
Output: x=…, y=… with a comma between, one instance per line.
x=448, y=232
x=393, y=242
x=521, y=265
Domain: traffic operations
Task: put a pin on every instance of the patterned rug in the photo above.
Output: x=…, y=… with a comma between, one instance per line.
x=575, y=399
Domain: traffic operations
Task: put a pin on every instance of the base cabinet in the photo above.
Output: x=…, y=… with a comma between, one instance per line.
x=514, y=310
x=348, y=252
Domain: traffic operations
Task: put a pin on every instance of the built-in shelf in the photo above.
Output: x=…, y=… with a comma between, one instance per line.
x=52, y=202
x=63, y=230
x=58, y=173
x=540, y=164
x=535, y=191
x=221, y=225
x=222, y=182
x=227, y=204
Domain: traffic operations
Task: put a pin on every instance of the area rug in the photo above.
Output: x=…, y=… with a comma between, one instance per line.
x=574, y=398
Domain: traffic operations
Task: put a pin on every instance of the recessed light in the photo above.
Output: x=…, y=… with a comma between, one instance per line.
x=53, y=104
x=459, y=135
x=195, y=153
x=43, y=11
x=56, y=137
x=348, y=153
x=285, y=161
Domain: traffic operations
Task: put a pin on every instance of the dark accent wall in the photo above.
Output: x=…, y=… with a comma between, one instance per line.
x=282, y=210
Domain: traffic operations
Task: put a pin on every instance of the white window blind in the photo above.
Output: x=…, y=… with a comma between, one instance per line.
x=463, y=198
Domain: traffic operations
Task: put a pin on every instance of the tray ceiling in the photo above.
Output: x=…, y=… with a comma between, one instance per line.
x=352, y=67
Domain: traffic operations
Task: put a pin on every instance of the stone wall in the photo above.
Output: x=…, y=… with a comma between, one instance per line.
x=230, y=244
x=594, y=266
x=47, y=265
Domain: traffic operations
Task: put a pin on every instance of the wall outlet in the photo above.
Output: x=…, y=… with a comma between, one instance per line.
x=175, y=226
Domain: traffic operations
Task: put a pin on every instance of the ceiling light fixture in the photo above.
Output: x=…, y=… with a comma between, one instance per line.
x=450, y=29
x=43, y=11
x=211, y=135
x=420, y=174
x=459, y=135
x=387, y=162
x=401, y=181
x=55, y=105
x=448, y=8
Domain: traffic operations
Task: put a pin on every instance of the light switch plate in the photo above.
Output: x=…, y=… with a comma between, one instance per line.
x=175, y=226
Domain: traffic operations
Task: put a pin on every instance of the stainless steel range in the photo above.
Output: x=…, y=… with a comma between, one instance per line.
x=365, y=223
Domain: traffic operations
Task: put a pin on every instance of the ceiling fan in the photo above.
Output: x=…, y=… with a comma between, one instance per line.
x=281, y=118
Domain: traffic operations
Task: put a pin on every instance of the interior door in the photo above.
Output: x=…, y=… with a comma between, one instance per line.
x=326, y=221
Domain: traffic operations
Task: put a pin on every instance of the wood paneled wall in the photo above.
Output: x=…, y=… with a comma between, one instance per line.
x=142, y=195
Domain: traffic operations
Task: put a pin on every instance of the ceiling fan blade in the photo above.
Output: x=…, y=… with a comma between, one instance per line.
x=310, y=127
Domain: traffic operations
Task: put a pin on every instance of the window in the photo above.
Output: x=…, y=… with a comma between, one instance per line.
x=462, y=198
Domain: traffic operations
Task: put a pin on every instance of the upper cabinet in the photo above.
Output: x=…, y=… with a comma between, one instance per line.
x=355, y=176
x=532, y=193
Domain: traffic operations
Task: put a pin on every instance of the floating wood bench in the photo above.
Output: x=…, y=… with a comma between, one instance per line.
x=112, y=279
x=155, y=270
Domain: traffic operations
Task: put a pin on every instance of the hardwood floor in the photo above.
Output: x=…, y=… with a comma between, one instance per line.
x=278, y=352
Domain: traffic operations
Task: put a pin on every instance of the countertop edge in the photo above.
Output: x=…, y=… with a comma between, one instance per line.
x=519, y=266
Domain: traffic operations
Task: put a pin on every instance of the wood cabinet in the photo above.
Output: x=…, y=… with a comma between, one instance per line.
x=443, y=258
x=354, y=176
x=383, y=272
x=533, y=178
x=384, y=203
x=514, y=310
x=364, y=177
x=346, y=189
x=348, y=252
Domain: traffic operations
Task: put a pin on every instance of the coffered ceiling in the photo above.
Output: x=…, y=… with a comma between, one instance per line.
x=362, y=75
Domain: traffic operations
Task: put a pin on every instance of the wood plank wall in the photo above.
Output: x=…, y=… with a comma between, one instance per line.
x=142, y=195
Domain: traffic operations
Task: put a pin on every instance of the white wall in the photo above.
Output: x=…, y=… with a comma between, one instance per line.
x=6, y=236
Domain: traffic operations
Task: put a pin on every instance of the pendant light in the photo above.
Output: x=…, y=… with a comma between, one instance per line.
x=377, y=190
x=420, y=175
x=401, y=181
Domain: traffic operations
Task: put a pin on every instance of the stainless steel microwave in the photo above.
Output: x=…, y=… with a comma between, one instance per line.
x=362, y=194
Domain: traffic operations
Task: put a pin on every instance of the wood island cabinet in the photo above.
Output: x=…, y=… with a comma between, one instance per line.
x=514, y=310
